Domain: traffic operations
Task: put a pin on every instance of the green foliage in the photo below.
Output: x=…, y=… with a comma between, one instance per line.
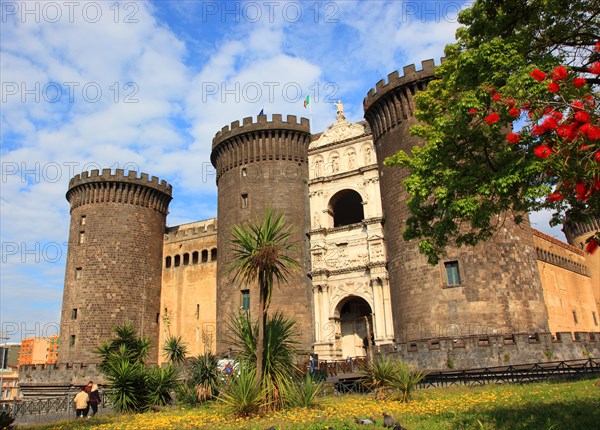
x=161, y=383
x=205, y=376
x=304, y=392
x=466, y=181
x=175, y=350
x=280, y=351
x=6, y=420
x=244, y=395
x=391, y=378
x=261, y=256
x=132, y=386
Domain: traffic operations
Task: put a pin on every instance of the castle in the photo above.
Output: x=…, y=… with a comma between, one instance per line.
x=520, y=297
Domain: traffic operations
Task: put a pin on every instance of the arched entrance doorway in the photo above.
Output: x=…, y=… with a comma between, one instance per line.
x=352, y=313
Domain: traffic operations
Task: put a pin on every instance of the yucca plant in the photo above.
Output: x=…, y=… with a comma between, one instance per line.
x=381, y=376
x=162, y=382
x=175, y=350
x=136, y=348
x=406, y=380
x=304, y=392
x=279, y=353
x=205, y=376
x=244, y=395
x=127, y=381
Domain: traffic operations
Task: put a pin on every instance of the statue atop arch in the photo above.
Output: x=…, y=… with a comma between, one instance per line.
x=340, y=111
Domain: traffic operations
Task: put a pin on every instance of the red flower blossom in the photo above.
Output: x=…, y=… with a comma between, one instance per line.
x=591, y=246
x=542, y=151
x=496, y=97
x=559, y=73
x=553, y=87
x=579, y=82
x=597, y=156
x=557, y=115
x=538, y=130
x=582, y=116
x=525, y=106
x=492, y=118
x=555, y=197
x=538, y=75
x=577, y=105
x=597, y=47
x=514, y=112
x=581, y=191
x=510, y=102
x=590, y=131
x=513, y=138
x=567, y=131
x=595, y=68
x=550, y=123
x=473, y=111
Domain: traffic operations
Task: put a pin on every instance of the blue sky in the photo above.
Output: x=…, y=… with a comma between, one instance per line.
x=146, y=85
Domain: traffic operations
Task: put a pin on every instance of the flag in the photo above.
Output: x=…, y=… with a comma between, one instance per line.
x=262, y=111
x=307, y=101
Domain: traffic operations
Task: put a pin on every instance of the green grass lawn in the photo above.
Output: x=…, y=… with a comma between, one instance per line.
x=548, y=405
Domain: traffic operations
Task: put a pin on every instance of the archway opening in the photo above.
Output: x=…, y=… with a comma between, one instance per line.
x=346, y=207
x=354, y=312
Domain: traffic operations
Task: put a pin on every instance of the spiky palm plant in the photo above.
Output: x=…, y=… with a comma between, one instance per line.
x=137, y=348
x=162, y=382
x=244, y=395
x=260, y=257
x=381, y=376
x=406, y=380
x=175, y=350
x=205, y=376
x=304, y=392
x=280, y=352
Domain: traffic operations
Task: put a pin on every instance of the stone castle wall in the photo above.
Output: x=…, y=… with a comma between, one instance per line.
x=500, y=288
x=114, y=260
x=261, y=164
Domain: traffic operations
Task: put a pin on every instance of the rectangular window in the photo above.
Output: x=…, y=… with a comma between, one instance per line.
x=595, y=318
x=78, y=273
x=452, y=273
x=83, y=220
x=72, y=340
x=244, y=172
x=575, y=317
x=245, y=299
x=197, y=311
x=157, y=318
x=244, y=200
x=81, y=237
x=73, y=316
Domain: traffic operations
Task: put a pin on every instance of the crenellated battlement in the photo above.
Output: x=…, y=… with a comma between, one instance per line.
x=410, y=75
x=191, y=230
x=106, y=175
x=249, y=125
x=254, y=142
x=107, y=187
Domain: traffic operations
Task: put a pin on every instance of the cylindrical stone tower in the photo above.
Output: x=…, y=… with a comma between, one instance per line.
x=261, y=164
x=114, y=262
x=492, y=288
x=577, y=233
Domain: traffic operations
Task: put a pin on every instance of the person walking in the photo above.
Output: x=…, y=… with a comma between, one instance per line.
x=94, y=398
x=88, y=390
x=81, y=403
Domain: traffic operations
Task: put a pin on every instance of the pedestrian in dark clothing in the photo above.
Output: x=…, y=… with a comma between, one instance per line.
x=94, y=399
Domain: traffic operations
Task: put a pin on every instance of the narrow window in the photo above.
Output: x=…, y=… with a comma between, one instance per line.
x=244, y=198
x=197, y=311
x=168, y=262
x=204, y=255
x=452, y=273
x=82, y=220
x=595, y=318
x=575, y=317
x=213, y=254
x=81, y=237
x=157, y=318
x=186, y=259
x=177, y=260
x=78, y=273
x=245, y=299
x=195, y=257
x=72, y=340
x=73, y=316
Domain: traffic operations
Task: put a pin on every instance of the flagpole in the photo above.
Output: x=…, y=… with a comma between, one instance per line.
x=310, y=117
